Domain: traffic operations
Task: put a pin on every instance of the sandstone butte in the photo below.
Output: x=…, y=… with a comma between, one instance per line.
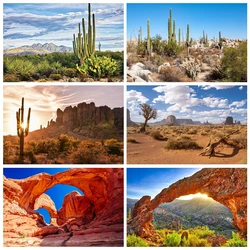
x=225, y=185
x=95, y=219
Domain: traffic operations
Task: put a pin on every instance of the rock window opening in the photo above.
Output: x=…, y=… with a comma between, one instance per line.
x=50, y=203
x=194, y=211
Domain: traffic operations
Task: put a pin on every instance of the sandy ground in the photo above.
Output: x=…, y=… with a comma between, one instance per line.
x=151, y=151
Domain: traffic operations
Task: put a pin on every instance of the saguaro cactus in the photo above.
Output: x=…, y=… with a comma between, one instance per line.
x=220, y=40
x=179, y=37
x=84, y=43
x=149, y=44
x=99, y=46
x=22, y=128
x=170, y=25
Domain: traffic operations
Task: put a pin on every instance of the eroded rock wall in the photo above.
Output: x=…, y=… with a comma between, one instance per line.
x=93, y=219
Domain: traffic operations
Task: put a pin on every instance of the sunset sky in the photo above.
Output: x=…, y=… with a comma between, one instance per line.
x=29, y=23
x=212, y=103
x=45, y=100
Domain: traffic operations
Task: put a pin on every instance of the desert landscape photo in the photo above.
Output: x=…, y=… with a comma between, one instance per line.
x=180, y=124
x=62, y=207
x=187, y=42
x=64, y=42
x=187, y=207
x=63, y=125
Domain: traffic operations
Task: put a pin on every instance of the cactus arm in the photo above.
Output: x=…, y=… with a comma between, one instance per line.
x=28, y=123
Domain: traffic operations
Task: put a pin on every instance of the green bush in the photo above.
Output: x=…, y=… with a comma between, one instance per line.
x=114, y=147
x=172, y=240
x=234, y=64
x=136, y=241
x=70, y=72
x=171, y=48
x=236, y=241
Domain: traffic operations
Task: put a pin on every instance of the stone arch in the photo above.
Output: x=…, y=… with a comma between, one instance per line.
x=228, y=186
x=44, y=201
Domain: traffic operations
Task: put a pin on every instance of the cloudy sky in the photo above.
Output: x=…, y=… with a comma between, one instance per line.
x=210, y=103
x=44, y=101
x=26, y=24
x=150, y=181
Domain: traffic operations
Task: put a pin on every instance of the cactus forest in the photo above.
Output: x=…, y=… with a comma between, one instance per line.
x=180, y=57
x=90, y=57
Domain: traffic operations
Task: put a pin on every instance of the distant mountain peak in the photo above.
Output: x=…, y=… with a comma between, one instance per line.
x=38, y=48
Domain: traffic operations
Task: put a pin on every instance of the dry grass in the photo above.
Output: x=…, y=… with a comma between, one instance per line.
x=182, y=144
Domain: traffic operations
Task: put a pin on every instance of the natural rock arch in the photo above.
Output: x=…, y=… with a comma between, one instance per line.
x=98, y=213
x=228, y=186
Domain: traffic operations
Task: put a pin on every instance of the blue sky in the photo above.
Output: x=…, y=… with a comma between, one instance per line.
x=45, y=100
x=25, y=24
x=150, y=181
x=230, y=19
x=212, y=103
x=56, y=193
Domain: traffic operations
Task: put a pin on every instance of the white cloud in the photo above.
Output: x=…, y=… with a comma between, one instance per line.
x=214, y=102
x=241, y=87
x=238, y=104
x=218, y=87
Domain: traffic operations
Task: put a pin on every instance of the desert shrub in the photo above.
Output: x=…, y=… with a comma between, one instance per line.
x=172, y=240
x=11, y=78
x=204, y=133
x=70, y=72
x=236, y=241
x=44, y=68
x=157, y=135
x=192, y=132
x=202, y=232
x=136, y=241
x=21, y=67
x=181, y=144
x=67, y=143
x=142, y=48
x=195, y=241
x=98, y=67
x=114, y=147
x=132, y=59
x=89, y=152
x=55, y=76
x=131, y=140
x=185, y=137
x=171, y=48
x=47, y=146
x=234, y=64
x=174, y=74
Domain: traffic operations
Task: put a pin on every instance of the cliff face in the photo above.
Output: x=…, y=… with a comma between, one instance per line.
x=89, y=115
x=228, y=186
x=93, y=219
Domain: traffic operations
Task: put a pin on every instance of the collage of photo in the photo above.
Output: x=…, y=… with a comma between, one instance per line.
x=124, y=124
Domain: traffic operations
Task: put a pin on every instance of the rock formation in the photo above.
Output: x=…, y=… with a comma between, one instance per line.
x=171, y=120
x=129, y=122
x=84, y=121
x=228, y=186
x=229, y=120
x=95, y=219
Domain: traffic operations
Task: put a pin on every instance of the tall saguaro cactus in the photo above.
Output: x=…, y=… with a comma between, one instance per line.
x=220, y=40
x=149, y=44
x=170, y=26
x=22, y=128
x=84, y=43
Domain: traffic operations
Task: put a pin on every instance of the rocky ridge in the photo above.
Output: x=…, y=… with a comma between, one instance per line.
x=95, y=219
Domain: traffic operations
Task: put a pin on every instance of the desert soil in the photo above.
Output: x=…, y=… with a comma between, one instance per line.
x=151, y=151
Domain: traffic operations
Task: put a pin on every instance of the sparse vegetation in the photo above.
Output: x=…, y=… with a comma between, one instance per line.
x=65, y=149
x=136, y=241
x=194, y=237
x=182, y=144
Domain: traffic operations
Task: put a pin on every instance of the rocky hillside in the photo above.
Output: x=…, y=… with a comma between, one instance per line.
x=95, y=219
x=84, y=121
x=191, y=213
x=38, y=48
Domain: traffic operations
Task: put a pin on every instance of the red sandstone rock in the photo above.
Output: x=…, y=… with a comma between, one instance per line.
x=100, y=207
x=225, y=185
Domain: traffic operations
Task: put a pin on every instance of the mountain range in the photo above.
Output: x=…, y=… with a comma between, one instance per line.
x=191, y=213
x=38, y=48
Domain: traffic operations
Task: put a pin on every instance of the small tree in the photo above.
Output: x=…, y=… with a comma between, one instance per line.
x=148, y=113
